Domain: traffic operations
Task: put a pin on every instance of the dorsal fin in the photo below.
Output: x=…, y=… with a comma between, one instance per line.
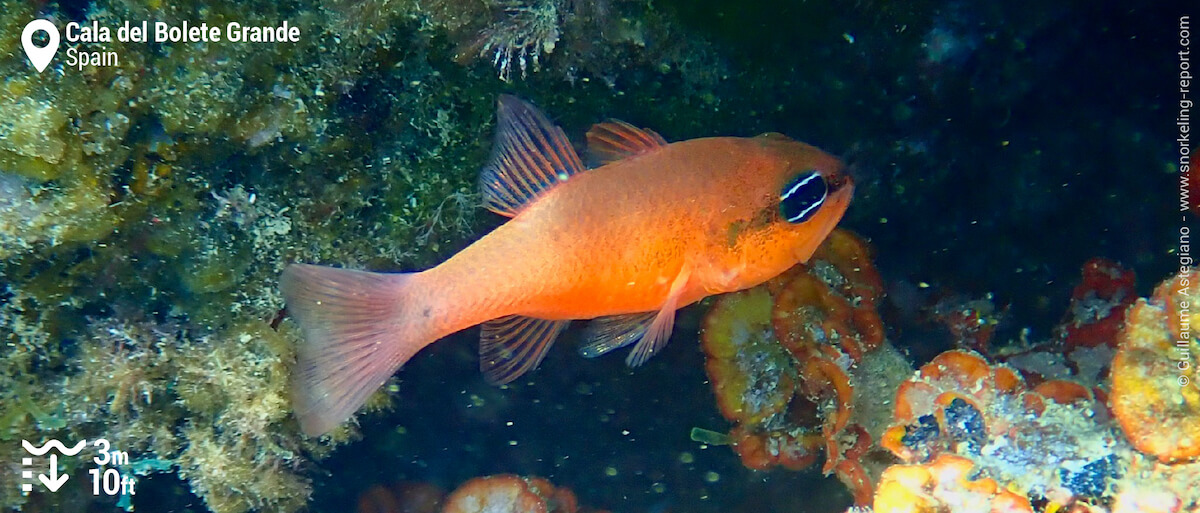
x=615, y=139
x=530, y=155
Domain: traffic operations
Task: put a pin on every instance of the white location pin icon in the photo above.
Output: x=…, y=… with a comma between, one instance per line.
x=40, y=57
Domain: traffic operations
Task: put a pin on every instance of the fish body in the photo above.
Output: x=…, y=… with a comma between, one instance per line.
x=657, y=227
x=613, y=239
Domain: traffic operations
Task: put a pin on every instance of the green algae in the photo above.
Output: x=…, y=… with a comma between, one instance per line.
x=708, y=436
x=149, y=207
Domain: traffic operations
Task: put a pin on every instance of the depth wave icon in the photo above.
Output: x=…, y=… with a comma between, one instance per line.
x=53, y=444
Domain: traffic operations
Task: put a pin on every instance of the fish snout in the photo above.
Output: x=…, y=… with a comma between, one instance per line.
x=841, y=191
x=837, y=180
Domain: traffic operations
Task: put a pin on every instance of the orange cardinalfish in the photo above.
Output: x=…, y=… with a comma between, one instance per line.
x=654, y=228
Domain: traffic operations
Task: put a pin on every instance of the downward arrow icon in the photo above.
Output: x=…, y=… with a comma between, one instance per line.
x=55, y=481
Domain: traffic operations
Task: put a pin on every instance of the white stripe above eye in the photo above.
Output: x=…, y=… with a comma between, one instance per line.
x=798, y=185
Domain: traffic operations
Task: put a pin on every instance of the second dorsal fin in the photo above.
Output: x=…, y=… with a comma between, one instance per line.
x=530, y=155
x=615, y=139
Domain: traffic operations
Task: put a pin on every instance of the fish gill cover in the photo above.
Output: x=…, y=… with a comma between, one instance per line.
x=153, y=189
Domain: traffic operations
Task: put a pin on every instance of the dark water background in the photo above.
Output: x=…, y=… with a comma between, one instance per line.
x=998, y=146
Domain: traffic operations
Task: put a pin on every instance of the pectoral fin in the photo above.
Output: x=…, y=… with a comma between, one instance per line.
x=650, y=330
x=513, y=345
x=615, y=331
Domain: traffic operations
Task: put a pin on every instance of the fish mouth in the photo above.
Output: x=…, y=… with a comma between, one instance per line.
x=841, y=190
x=837, y=181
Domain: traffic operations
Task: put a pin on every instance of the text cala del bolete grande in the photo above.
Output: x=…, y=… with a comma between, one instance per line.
x=162, y=32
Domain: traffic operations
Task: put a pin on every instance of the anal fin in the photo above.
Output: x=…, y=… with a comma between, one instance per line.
x=513, y=345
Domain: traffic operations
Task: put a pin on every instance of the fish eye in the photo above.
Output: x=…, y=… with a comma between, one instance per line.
x=802, y=196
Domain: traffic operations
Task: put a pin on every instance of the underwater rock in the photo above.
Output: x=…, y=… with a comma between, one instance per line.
x=508, y=493
x=1098, y=304
x=402, y=497
x=1048, y=442
x=786, y=359
x=1086, y=339
x=753, y=376
x=971, y=321
x=1056, y=443
x=1153, y=397
x=946, y=485
x=834, y=302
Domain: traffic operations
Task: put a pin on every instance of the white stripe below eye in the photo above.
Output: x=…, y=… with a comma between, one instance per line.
x=799, y=185
x=810, y=208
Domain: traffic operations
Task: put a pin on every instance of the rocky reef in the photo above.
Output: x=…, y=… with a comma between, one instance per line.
x=147, y=208
x=798, y=364
x=962, y=434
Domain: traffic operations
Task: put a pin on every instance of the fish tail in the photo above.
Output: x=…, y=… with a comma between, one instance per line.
x=357, y=333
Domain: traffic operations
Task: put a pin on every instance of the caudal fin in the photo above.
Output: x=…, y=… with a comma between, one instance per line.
x=355, y=337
